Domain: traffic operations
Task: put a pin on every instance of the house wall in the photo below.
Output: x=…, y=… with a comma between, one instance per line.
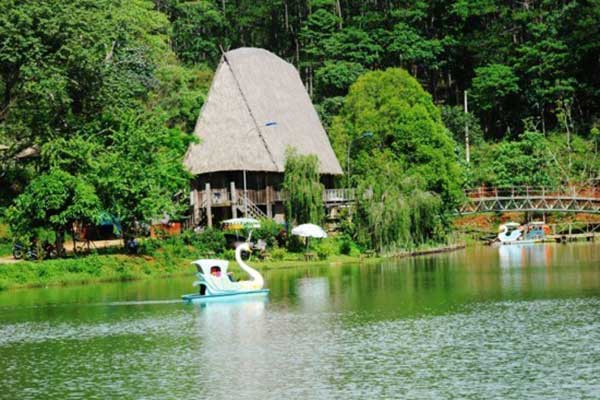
x=263, y=189
x=254, y=180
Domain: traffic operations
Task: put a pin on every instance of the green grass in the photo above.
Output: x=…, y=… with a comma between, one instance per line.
x=91, y=269
x=171, y=260
x=115, y=267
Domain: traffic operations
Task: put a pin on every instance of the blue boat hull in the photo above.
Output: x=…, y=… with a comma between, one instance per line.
x=197, y=298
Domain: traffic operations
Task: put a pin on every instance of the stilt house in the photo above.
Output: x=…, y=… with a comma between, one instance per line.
x=256, y=108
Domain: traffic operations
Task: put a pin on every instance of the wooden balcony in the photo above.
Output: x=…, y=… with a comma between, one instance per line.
x=224, y=197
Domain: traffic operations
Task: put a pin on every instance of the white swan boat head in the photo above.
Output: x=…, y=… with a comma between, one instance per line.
x=215, y=282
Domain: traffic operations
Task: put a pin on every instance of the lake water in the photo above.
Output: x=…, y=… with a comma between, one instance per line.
x=483, y=323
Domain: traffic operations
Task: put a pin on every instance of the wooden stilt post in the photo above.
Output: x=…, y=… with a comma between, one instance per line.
x=195, y=199
x=269, y=199
x=208, y=195
x=233, y=199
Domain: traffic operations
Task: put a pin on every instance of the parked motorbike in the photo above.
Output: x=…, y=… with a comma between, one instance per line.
x=20, y=251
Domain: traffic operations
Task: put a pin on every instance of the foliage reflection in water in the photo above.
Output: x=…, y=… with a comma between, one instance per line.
x=509, y=322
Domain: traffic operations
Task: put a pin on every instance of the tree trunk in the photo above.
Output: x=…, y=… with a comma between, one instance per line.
x=338, y=9
x=60, y=242
x=287, y=20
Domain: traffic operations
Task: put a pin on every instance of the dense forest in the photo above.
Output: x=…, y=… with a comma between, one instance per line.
x=521, y=60
x=98, y=97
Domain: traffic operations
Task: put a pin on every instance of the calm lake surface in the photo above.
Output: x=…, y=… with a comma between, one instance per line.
x=484, y=323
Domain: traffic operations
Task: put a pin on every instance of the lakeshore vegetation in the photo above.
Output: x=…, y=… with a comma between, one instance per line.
x=98, y=100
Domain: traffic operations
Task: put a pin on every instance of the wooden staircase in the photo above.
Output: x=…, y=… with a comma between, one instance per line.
x=253, y=210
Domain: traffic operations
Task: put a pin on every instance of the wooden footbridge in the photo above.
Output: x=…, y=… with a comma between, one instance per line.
x=537, y=199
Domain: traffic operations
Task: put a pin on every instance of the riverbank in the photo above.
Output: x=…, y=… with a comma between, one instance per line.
x=120, y=267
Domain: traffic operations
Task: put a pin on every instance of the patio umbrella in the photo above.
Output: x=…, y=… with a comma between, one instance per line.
x=309, y=231
x=237, y=224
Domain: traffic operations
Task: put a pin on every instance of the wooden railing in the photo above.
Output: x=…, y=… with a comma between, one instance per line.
x=338, y=195
x=532, y=191
x=527, y=198
x=223, y=197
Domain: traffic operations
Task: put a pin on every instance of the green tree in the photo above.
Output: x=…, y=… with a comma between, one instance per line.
x=528, y=161
x=495, y=87
x=53, y=202
x=545, y=61
x=407, y=144
x=404, y=123
x=199, y=29
x=96, y=87
x=413, y=50
x=139, y=175
x=394, y=213
x=65, y=65
x=455, y=119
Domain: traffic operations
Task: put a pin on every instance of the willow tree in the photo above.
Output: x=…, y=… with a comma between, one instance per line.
x=303, y=188
x=395, y=213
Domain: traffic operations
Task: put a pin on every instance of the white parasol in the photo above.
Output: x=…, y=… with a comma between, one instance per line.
x=236, y=224
x=309, y=231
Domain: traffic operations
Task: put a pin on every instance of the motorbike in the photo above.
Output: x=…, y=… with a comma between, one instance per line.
x=20, y=251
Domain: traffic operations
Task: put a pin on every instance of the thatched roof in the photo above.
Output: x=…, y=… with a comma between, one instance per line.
x=256, y=107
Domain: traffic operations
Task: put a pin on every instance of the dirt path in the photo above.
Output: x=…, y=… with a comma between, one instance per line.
x=100, y=244
x=8, y=260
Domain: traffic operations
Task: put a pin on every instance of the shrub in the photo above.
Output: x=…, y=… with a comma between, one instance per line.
x=148, y=246
x=325, y=248
x=345, y=245
x=269, y=231
x=278, y=254
x=4, y=237
x=211, y=239
x=229, y=254
x=295, y=244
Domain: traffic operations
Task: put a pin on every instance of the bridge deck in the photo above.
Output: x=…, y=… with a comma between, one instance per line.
x=481, y=200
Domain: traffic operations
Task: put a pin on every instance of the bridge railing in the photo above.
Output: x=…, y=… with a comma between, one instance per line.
x=532, y=191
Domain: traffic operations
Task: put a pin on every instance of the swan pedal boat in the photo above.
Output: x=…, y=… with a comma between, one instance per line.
x=515, y=233
x=215, y=284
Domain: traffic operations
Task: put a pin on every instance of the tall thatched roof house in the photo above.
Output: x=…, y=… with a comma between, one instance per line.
x=256, y=108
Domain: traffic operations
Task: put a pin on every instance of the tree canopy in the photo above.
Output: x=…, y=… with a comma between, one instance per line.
x=390, y=128
x=104, y=93
x=534, y=52
x=93, y=86
x=387, y=117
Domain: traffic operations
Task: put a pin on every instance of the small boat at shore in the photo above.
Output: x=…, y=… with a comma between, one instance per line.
x=215, y=283
x=515, y=233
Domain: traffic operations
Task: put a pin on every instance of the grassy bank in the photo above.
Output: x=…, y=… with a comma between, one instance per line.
x=168, y=258
x=91, y=269
x=119, y=267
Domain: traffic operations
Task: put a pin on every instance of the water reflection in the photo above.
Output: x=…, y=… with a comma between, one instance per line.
x=313, y=293
x=526, y=255
x=225, y=315
x=508, y=322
